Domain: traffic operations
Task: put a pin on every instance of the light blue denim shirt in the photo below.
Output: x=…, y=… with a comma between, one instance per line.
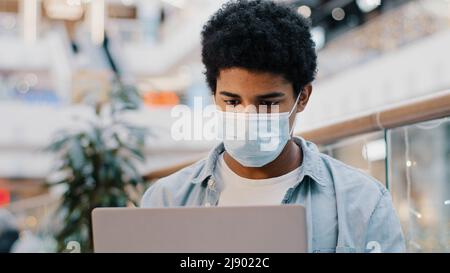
x=347, y=210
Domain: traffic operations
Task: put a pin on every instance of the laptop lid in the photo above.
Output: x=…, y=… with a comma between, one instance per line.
x=279, y=228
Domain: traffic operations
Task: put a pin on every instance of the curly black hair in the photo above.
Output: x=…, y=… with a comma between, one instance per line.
x=261, y=36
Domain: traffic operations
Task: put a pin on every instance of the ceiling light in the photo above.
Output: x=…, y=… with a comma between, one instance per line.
x=338, y=14
x=305, y=11
x=368, y=5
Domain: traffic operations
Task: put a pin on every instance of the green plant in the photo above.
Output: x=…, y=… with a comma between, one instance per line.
x=97, y=164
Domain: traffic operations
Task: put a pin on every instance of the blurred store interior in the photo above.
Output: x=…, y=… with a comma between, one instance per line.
x=61, y=59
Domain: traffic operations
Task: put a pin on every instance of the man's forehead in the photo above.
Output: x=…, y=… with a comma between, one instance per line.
x=245, y=75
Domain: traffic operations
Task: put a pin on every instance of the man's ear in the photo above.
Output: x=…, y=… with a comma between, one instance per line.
x=304, y=98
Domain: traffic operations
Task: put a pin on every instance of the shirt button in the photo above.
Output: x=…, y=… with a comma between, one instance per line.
x=211, y=183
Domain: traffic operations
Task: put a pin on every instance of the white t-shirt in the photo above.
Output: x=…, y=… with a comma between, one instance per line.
x=240, y=191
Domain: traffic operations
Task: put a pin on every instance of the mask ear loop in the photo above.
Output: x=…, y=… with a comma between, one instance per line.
x=292, y=110
x=296, y=102
x=214, y=100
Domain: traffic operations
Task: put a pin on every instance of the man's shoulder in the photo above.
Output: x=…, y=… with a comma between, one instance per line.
x=337, y=174
x=164, y=189
x=358, y=195
x=349, y=179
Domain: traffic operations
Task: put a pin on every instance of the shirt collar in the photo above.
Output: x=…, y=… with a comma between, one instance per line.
x=312, y=163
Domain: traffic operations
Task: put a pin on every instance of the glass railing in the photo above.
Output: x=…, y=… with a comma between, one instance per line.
x=419, y=180
x=414, y=163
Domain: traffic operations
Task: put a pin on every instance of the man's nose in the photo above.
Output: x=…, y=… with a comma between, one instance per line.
x=249, y=107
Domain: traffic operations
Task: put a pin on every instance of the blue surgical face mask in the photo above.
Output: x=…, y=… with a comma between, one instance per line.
x=254, y=139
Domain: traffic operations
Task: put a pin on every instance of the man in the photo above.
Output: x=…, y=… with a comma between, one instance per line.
x=260, y=53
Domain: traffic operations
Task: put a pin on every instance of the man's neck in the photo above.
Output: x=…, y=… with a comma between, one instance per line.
x=290, y=158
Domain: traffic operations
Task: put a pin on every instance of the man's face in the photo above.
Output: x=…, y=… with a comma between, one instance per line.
x=239, y=89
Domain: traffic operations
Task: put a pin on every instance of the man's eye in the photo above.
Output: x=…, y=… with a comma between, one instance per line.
x=232, y=102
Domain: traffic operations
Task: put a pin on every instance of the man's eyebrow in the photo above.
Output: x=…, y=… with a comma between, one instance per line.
x=229, y=94
x=265, y=96
x=271, y=95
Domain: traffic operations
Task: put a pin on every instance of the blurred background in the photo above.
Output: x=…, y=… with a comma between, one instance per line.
x=87, y=88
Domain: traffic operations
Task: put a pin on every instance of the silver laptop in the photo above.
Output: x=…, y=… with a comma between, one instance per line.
x=200, y=229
